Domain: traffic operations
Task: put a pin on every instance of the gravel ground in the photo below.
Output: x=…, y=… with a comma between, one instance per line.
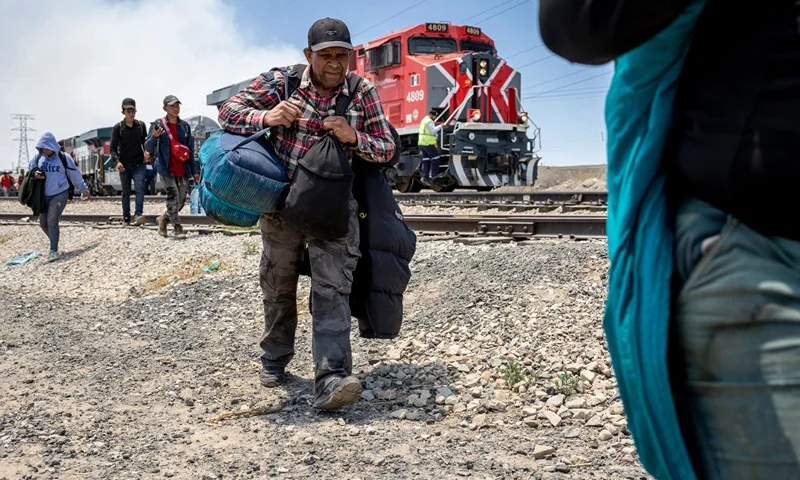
x=114, y=360
x=157, y=208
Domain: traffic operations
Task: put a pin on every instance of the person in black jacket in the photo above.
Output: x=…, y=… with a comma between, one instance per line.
x=731, y=157
x=127, y=150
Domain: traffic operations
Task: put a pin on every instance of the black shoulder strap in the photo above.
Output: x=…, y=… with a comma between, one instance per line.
x=63, y=157
x=343, y=101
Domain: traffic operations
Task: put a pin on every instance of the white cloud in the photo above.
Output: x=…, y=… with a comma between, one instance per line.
x=71, y=63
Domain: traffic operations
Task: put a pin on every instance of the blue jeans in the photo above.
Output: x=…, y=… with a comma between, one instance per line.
x=430, y=160
x=51, y=215
x=736, y=320
x=138, y=177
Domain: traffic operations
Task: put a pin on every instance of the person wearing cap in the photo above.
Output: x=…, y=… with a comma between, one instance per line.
x=175, y=174
x=127, y=150
x=296, y=124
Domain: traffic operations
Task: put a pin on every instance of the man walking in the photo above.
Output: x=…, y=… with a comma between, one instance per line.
x=127, y=150
x=426, y=141
x=296, y=125
x=171, y=142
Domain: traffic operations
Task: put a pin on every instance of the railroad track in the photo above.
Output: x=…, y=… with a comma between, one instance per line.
x=516, y=226
x=460, y=199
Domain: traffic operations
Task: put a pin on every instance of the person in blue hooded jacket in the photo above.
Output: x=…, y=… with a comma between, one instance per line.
x=58, y=170
x=729, y=161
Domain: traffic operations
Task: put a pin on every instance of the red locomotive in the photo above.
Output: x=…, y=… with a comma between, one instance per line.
x=453, y=70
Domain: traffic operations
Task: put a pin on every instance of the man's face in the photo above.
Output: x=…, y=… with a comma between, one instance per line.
x=174, y=109
x=47, y=152
x=130, y=113
x=328, y=66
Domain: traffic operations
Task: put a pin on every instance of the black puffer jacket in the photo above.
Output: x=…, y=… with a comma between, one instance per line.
x=387, y=247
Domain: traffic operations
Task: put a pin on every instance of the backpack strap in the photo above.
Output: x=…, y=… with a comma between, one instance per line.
x=63, y=157
x=343, y=101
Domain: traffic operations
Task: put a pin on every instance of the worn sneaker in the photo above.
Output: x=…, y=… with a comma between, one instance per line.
x=272, y=376
x=53, y=256
x=178, y=229
x=139, y=220
x=162, y=225
x=338, y=393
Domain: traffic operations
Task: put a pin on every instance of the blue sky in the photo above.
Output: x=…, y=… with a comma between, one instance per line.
x=566, y=101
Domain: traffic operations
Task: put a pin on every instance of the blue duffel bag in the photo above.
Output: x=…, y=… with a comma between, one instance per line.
x=242, y=178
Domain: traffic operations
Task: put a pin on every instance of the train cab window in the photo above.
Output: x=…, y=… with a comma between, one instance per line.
x=431, y=45
x=474, y=46
x=384, y=55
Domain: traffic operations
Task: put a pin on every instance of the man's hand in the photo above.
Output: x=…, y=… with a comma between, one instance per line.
x=120, y=168
x=283, y=114
x=157, y=131
x=196, y=178
x=39, y=176
x=86, y=195
x=341, y=129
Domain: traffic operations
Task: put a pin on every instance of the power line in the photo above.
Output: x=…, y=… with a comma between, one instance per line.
x=523, y=51
x=389, y=18
x=23, y=157
x=565, y=86
x=488, y=10
x=503, y=11
x=558, y=78
x=536, y=61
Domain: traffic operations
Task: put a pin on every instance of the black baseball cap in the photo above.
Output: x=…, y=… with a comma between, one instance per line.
x=129, y=103
x=328, y=32
x=171, y=100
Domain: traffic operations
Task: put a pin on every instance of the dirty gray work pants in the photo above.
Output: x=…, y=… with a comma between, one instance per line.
x=332, y=266
x=737, y=335
x=177, y=189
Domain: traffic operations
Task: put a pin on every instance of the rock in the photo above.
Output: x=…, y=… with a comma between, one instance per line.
x=575, y=402
x=459, y=407
x=572, y=432
x=562, y=468
x=480, y=421
x=587, y=375
x=529, y=411
x=605, y=435
x=596, y=400
x=531, y=422
x=400, y=414
x=595, y=421
x=368, y=395
x=555, y=401
x=542, y=451
x=554, y=419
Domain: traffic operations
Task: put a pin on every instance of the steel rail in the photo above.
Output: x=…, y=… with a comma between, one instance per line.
x=516, y=226
x=465, y=197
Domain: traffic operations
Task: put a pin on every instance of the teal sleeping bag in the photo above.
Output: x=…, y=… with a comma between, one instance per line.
x=639, y=110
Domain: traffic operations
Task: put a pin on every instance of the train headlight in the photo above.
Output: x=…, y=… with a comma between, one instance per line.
x=523, y=117
x=471, y=135
x=483, y=72
x=476, y=115
x=483, y=64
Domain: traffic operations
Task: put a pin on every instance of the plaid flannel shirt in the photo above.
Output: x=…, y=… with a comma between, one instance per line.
x=244, y=114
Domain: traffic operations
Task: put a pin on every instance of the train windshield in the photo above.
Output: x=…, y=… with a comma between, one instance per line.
x=429, y=45
x=474, y=46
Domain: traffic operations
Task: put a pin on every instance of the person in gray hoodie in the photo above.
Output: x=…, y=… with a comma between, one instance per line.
x=59, y=172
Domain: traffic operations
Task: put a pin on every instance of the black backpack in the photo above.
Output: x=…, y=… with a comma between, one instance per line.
x=318, y=200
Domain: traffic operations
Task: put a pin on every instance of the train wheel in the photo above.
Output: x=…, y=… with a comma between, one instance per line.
x=407, y=185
